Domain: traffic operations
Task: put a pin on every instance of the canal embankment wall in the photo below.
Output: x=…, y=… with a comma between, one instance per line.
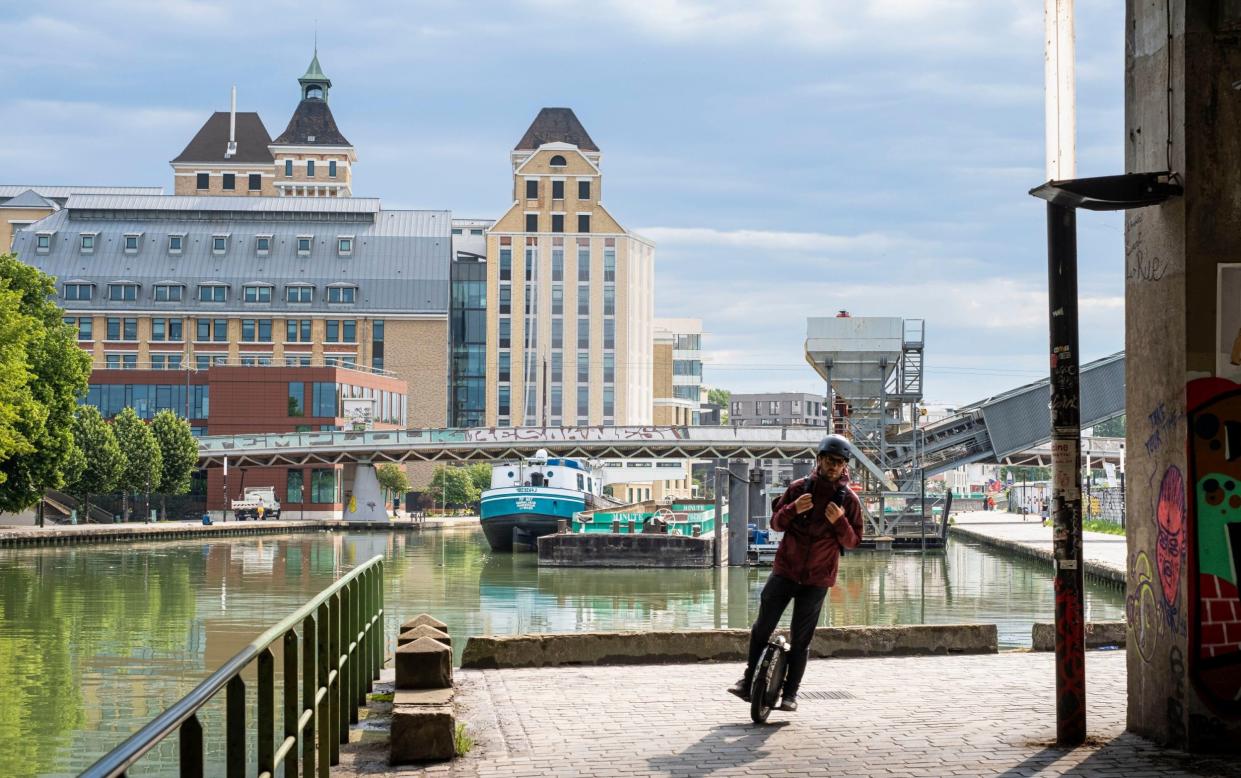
x=1103, y=555
x=489, y=652
x=61, y=535
x=607, y=549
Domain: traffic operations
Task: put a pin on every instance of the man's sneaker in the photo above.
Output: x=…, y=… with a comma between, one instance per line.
x=741, y=689
x=789, y=703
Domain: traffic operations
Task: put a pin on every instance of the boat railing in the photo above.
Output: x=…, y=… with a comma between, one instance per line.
x=333, y=660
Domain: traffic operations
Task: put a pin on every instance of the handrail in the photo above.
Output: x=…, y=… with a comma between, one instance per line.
x=344, y=621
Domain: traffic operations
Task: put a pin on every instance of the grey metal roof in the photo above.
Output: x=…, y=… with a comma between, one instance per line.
x=60, y=193
x=400, y=259
x=224, y=204
x=30, y=199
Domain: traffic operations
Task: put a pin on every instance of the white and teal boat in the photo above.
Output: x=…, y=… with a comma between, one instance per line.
x=528, y=498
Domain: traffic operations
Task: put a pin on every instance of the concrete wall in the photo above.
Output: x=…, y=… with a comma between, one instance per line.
x=608, y=550
x=1184, y=614
x=716, y=645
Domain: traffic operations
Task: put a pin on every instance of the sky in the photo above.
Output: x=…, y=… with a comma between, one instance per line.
x=790, y=158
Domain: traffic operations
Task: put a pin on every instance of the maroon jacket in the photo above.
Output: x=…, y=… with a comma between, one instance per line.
x=810, y=551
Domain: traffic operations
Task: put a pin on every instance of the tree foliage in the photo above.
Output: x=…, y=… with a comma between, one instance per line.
x=1112, y=428
x=178, y=452
x=101, y=455
x=42, y=374
x=480, y=474
x=453, y=486
x=143, y=461
x=392, y=478
x=719, y=397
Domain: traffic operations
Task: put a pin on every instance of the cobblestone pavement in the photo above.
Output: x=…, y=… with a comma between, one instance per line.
x=890, y=717
x=1099, y=547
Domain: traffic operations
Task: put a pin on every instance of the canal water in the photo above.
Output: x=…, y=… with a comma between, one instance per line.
x=96, y=640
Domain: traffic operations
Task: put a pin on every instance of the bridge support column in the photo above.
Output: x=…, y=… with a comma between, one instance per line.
x=738, y=513
x=1183, y=377
x=366, y=503
x=758, y=499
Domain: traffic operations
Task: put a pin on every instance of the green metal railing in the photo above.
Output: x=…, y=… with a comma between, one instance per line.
x=334, y=660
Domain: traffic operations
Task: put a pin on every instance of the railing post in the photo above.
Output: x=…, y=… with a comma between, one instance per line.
x=334, y=712
x=310, y=687
x=266, y=693
x=291, y=709
x=235, y=728
x=381, y=639
x=191, y=748
x=323, y=705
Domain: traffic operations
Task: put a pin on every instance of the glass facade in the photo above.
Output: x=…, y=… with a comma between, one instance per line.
x=147, y=399
x=297, y=398
x=323, y=485
x=294, y=492
x=467, y=319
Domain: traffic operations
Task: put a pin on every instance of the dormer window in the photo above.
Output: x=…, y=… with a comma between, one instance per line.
x=262, y=245
x=43, y=242
x=344, y=245
x=299, y=293
x=123, y=292
x=303, y=245
x=219, y=244
x=176, y=244
x=212, y=293
x=168, y=293
x=132, y=241
x=256, y=293
x=79, y=291
x=87, y=242
x=556, y=161
x=342, y=294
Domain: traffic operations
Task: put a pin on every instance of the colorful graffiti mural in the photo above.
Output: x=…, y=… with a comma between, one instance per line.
x=1215, y=542
x=1170, y=543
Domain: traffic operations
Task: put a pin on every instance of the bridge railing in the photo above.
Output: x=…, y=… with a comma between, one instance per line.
x=333, y=661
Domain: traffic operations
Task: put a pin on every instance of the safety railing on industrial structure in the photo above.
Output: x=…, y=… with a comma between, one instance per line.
x=333, y=660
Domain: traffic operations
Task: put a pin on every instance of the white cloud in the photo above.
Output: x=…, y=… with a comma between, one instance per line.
x=775, y=240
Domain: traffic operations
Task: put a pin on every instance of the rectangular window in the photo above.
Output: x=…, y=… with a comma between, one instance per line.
x=158, y=361
x=85, y=325
x=531, y=267
x=159, y=329
x=291, y=330
x=583, y=367
x=557, y=367
x=344, y=246
x=203, y=181
x=331, y=168
x=609, y=368
x=288, y=168
x=129, y=329
x=506, y=299
x=303, y=246
x=221, y=331
x=583, y=299
x=129, y=361
x=264, y=330
x=294, y=491
x=112, y=361
x=123, y=292
x=212, y=294
x=557, y=190
x=131, y=244
x=299, y=294
x=202, y=330
x=583, y=189
x=114, y=329
x=175, y=243
x=609, y=300
x=609, y=265
x=506, y=328
x=79, y=291
x=341, y=294
x=557, y=394
x=557, y=300
x=557, y=222
x=506, y=264
x=175, y=332
x=43, y=243
x=558, y=264
x=532, y=188
x=247, y=330
x=262, y=245
x=229, y=181
x=583, y=332
x=168, y=293
x=332, y=333
x=87, y=243
x=256, y=294
x=348, y=331
x=377, y=345
x=219, y=244
x=609, y=333
x=297, y=398
x=583, y=222
x=532, y=222
x=557, y=333
x=583, y=403
x=324, y=399
x=583, y=263
x=323, y=486
x=256, y=182
x=505, y=366
x=202, y=361
x=310, y=168
x=504, y=394
x=609, y=401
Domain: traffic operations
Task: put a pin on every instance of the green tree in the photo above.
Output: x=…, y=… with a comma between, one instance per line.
x=392, y=479
x=1112, y=428
x=101, y=457
x=178, y=456
x=720, y=397
x=143, y=461
x=42, y=374
x=453, y=486
x=480, y=474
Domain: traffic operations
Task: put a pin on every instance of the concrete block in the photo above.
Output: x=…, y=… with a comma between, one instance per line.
x=422, y=696
x=423, y=631
x=1099, y=634
x=423, y=664
x=424, y=618
x=421, y=733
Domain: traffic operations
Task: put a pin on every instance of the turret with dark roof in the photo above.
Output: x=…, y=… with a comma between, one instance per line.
x=312, y=123
x=211, y=142
x=556, y=125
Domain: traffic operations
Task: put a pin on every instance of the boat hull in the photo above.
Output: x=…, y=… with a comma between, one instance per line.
x=515, y=518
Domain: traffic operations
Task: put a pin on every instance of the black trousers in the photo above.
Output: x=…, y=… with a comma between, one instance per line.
x=807, y=604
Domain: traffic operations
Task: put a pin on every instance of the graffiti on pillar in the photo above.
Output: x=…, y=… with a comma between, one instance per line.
x=1142, y=609
x=1214, y=540
x=1170, y=544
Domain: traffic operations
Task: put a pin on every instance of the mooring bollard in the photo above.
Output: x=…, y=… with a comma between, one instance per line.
x=562, y=526
x=615, y=526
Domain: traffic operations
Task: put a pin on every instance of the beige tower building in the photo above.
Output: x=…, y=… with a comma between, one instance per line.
x=570, y=331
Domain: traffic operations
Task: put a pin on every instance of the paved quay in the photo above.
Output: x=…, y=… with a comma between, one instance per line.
x=888, y=717
x=1103, y=554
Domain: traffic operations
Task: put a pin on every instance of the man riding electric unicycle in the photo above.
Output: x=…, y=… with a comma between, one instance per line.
x=819, y=516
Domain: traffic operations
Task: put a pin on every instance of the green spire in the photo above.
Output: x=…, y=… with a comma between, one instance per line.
x=315, y=83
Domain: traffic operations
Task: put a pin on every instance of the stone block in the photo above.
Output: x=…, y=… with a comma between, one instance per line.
x=1099, y=634
x=427, y=619
x=423, y=631
x=423, y=664
x=422, y=696
x=421, y=733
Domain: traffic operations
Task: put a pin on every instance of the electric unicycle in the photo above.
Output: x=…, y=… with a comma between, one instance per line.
x=768, y=682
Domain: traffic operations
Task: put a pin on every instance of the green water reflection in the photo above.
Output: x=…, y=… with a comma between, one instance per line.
x=97, y=640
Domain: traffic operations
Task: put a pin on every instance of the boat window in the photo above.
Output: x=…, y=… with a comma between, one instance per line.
x=510, y=474
x=581, y=482
x=536, y=479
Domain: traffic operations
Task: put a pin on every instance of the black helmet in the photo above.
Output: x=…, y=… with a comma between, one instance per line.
x=836, y=446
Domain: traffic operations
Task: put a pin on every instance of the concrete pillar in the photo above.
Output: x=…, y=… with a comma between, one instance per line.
x=1183, y=386
x=366, y=502
x=759, y=509
x=738, y=512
